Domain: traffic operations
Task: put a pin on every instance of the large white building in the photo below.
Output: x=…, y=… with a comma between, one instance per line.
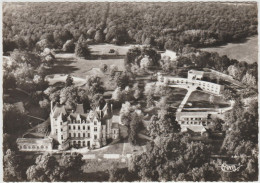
x=197, y=122
x=194, y=79
x=80, y=129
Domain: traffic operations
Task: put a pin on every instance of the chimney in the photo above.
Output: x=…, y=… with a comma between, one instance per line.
x=51, y=105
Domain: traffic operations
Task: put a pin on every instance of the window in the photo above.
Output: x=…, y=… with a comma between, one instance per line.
x=42, y=147
x=74, y=134
x=182, y=122
x=88, y=134
x=191, y=123
x=78, y=121
x=191, y=118
x=88, y=127
x=95, y=136
x=95, y=129
x=79, y=127
x=95, y=123
x=79, y=134
x=69, y=134
x=83, y=134
x=83, y=121
x=60, y=123
x=84, y=143
x=62, y=137
x=78, y=142
x=195, y=122
x=74, y=127
x=69, y=127
x=83, y=127
x=24, y=147
x=61, y=129
x=56, y=131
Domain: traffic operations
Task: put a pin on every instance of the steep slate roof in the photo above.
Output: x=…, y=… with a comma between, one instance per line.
x=58, y=110
x=191, y=114
x=79, y=109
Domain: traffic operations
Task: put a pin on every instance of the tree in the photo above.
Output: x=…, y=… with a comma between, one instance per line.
x=163, y=124
x=168, y=158
x=69, y=81
x=103, y=67
x=117, y=94
x=13, y=119
x=42, y=44
x=72, y=165
x=94, y=85
x=45, y=104
x=69, y=46
x=11, y=165
x=121, y=175
x=99, y=36
x=82, y=50
x=249, y=80
x=135, y=125
x=46, y=168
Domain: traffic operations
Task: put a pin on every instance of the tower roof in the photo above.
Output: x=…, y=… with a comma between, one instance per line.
x=79, y=109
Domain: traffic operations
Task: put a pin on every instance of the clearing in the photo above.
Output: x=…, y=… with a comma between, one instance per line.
x=200, y=99
x=246, y=51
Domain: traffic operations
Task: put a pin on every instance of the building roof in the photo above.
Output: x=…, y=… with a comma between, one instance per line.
x=39, y=141
x=59, y=110
x=79, y=109
x=115, y=125
x=191, y=114
x=194, y=128
x=196, y=72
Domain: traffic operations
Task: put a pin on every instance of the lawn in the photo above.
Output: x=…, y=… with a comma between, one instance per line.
x=247, y=51
x=70, y=64
x=199, y=99
x=103, y=49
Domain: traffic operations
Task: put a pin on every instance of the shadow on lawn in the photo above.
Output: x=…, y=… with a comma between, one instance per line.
x=62, y=66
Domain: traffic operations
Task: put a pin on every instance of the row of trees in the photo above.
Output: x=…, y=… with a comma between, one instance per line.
x=165, y=25
x=45, y=169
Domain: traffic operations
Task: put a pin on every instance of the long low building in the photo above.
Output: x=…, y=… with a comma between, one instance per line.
x=193, y=80
x=35, y=144
x=197, y=122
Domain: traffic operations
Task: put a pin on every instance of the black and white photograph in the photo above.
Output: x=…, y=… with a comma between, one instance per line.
x=127, y=91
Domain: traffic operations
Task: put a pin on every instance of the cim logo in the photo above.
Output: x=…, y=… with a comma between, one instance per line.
x=230, y=168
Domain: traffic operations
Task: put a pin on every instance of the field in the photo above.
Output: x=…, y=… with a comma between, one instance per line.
x=70, y=64
x=199, y=99
x=79, y=68
x=246, y=51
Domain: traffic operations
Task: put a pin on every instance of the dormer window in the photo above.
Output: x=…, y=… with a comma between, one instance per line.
x=83, y=121
x=74, y=121
x=95, y=122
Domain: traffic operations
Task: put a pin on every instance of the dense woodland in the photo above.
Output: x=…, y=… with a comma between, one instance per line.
x=33, y=29
x=165, y=25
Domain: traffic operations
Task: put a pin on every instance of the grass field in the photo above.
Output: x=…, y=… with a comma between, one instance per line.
x=199, y=99
x=102, y=49
x=247, y=51
x=69, y=64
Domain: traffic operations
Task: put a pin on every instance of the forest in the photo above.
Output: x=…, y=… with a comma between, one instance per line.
x=164, y=25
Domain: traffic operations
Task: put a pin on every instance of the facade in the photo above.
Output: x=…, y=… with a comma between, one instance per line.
x=197, y=122
x=80, y=129
x=193, y=80
x=35, y=144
